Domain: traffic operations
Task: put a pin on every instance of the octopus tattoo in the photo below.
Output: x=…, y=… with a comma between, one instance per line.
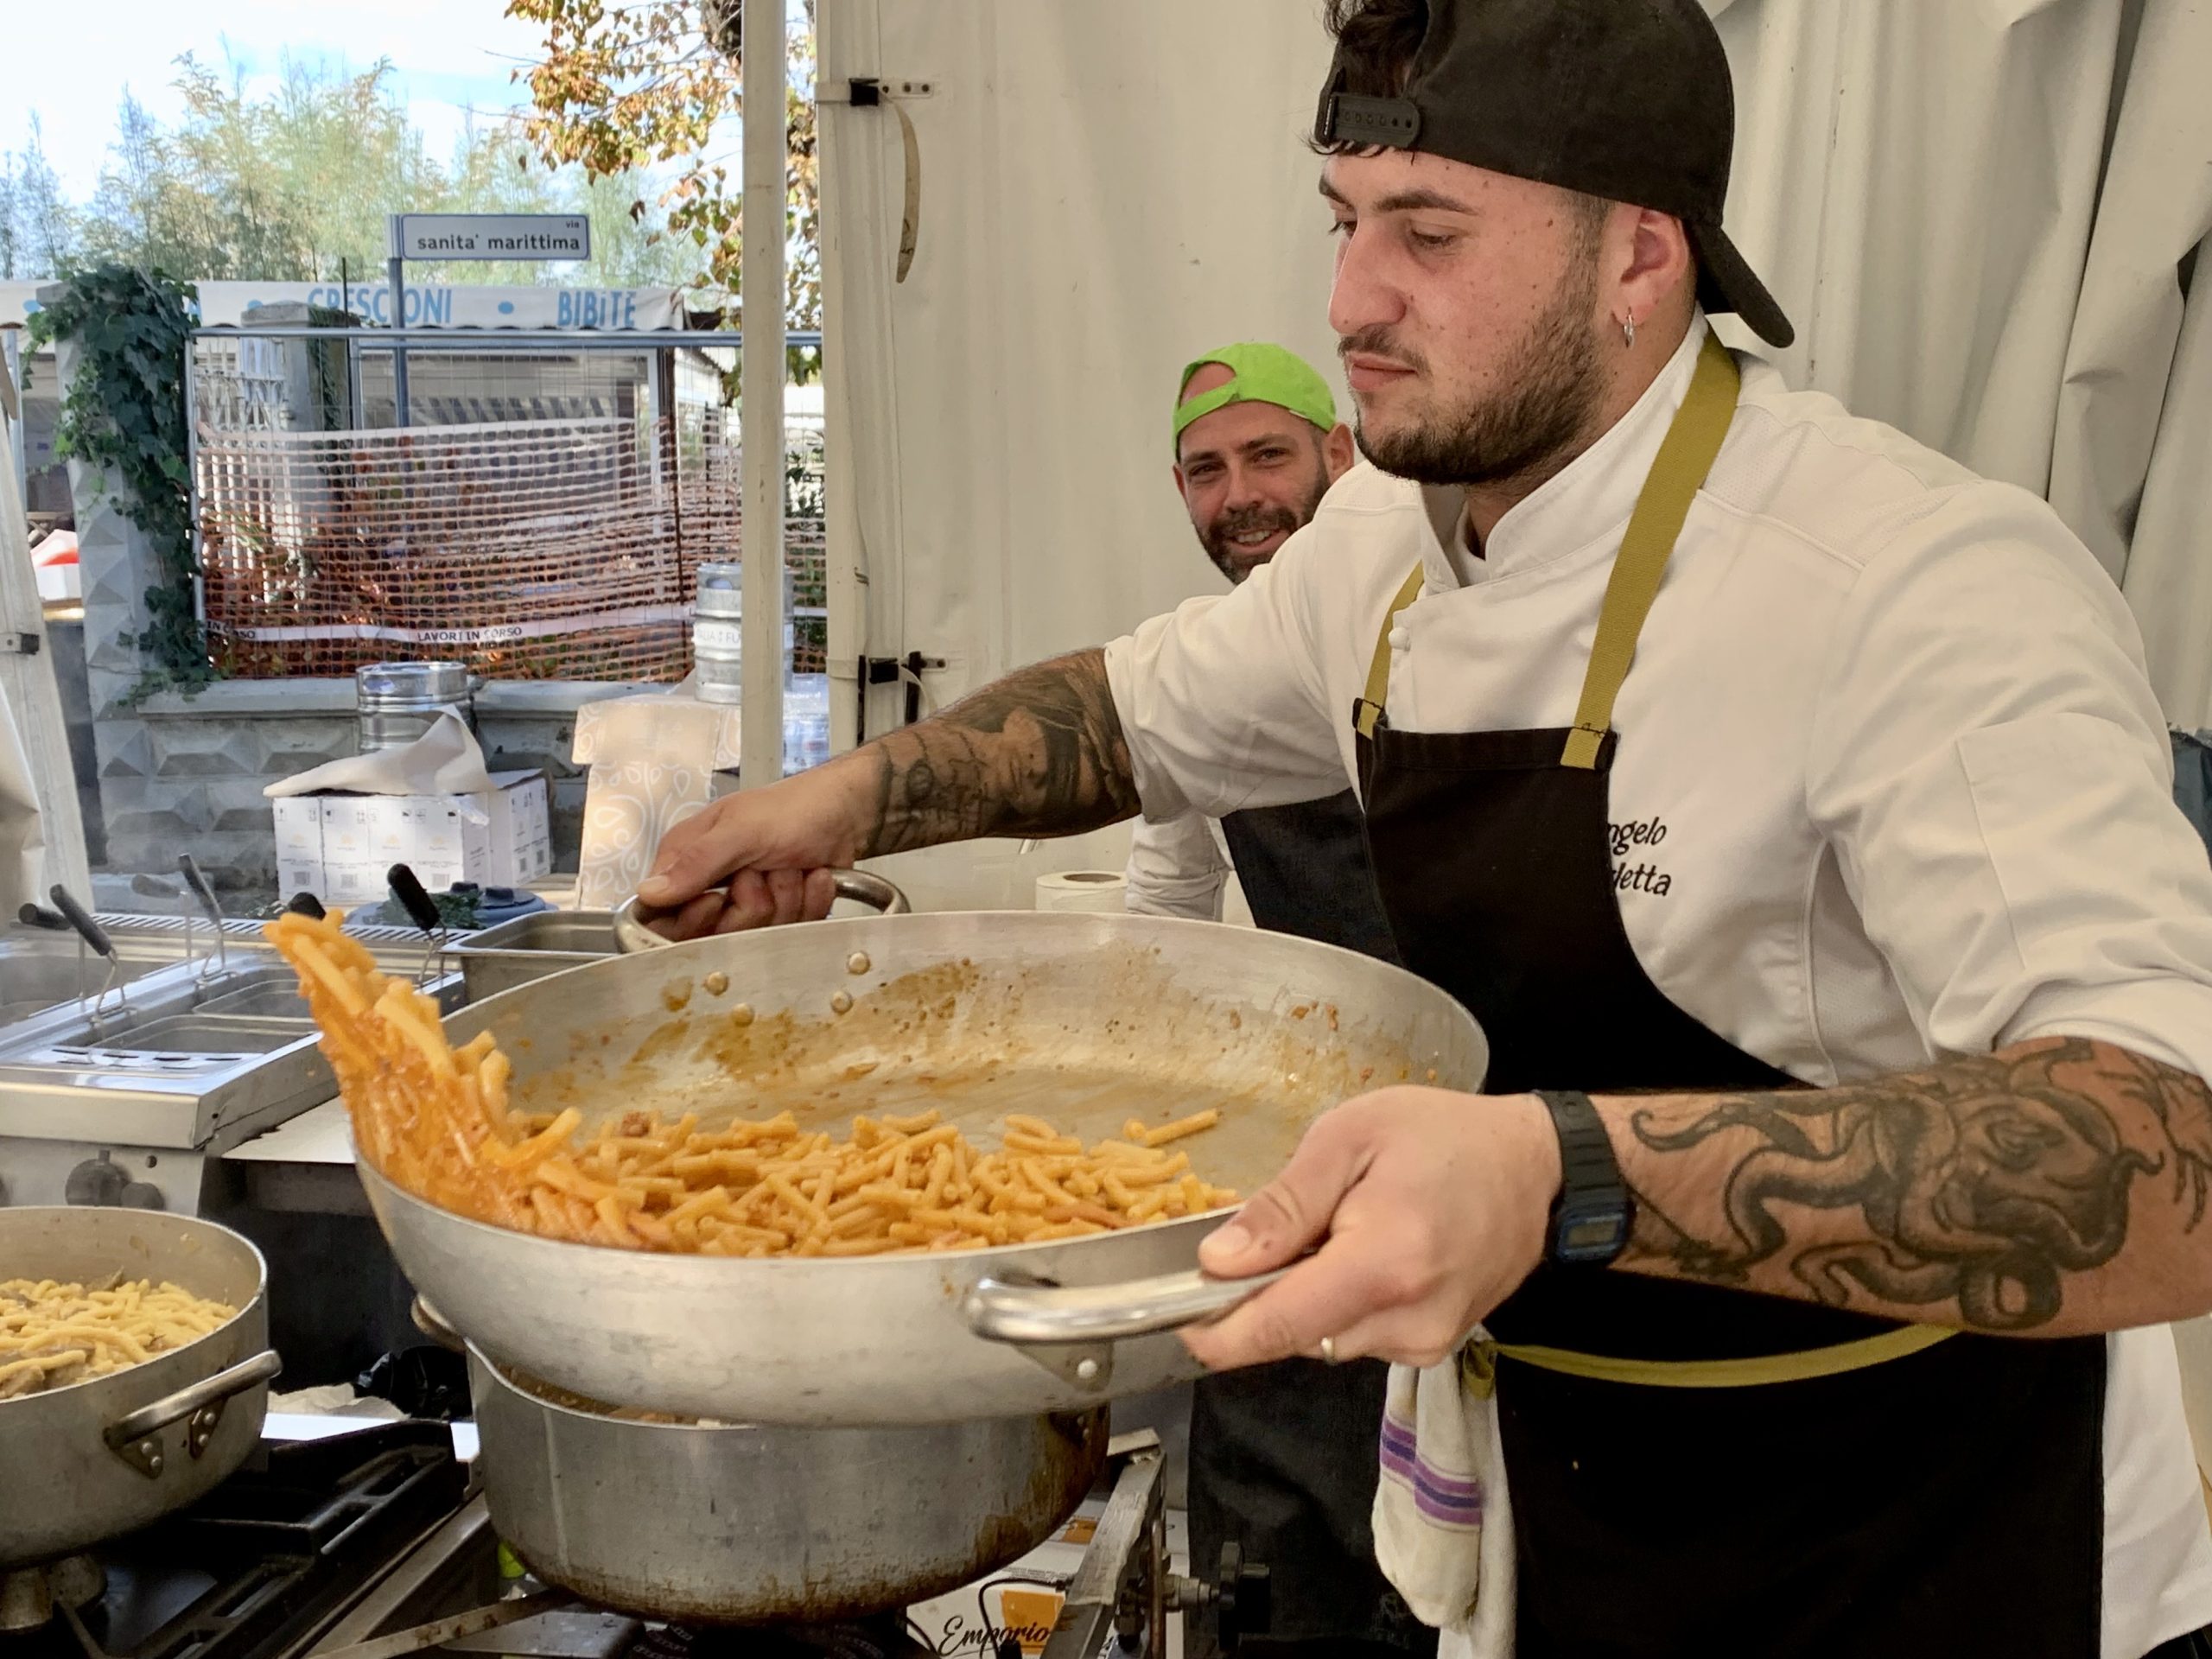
x=1983, y=1183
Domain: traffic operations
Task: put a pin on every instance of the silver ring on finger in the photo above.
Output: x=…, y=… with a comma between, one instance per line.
x=1328, y=1351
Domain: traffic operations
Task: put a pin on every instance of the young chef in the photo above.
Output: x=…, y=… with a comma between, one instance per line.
x=1791, y=806
x=1282, y=1456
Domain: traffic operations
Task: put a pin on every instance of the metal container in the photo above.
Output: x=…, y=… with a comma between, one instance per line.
x=189, y=1059
x=98, y=1458
x=742, y=1525
x=1086, y=1020
x=395, y=703
x=530, y=947
x=718, y=633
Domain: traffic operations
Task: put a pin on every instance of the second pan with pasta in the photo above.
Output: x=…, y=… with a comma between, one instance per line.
x=174, y=1398
x=1086, y=1021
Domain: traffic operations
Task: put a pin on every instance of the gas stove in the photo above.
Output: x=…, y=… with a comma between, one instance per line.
x=255, y=1569
x=375, y=1544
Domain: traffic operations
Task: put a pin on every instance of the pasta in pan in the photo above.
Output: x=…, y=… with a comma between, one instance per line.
x=436, y=1120
x=54, y=1334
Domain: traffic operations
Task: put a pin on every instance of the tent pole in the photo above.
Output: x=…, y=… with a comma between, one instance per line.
x=767, y=147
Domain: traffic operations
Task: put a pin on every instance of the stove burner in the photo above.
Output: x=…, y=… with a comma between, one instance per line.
x=29, y=1595
x=268, y=1557
x=885, y=1637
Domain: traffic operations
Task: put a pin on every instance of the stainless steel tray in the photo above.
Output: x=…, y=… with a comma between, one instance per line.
x=530, y=947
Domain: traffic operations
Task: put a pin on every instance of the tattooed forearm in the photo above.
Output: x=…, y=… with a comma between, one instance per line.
x=2054, y=1188
x=1040, y=752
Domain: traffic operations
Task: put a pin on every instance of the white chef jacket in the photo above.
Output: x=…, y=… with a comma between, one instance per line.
x=1891, y=784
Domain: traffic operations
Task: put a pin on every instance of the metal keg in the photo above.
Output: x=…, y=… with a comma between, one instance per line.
x=395, y=703
x=718, y=633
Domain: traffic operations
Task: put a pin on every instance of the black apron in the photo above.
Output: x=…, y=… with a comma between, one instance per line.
x=1282, y=1457
x=1303, y=870
x=1946, y=1503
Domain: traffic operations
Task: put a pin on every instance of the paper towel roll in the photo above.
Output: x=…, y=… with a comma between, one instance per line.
x=1093, y=890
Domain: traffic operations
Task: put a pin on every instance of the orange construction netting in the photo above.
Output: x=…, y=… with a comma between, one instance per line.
x=534, y=550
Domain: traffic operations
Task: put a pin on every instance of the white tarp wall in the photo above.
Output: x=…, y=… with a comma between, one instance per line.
x=1976, y=212
x=1106, y=191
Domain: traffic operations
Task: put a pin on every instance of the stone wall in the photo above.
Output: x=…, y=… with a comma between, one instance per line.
x=182, y=773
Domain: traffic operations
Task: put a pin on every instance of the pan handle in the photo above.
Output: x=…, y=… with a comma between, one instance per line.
x=631, y=935
x=1001, y=1310
x=133, y=1437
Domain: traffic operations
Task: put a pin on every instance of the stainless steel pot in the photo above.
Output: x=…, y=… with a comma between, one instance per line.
x=1087, y=1019
x=98, y=1458
x=396, y=703
x=742, y=1525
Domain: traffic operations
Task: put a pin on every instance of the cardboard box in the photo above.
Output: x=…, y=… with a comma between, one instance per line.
x=957, y=1621
x=299, y=829
x=340, y=846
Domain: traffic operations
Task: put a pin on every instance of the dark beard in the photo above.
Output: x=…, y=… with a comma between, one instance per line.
x=1552, y=385
x=1230, y=561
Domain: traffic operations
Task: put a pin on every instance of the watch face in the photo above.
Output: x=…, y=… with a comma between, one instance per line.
x=1593, y=1230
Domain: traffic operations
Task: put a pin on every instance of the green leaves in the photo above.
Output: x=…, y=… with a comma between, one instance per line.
x=123, y=417
x=626, y=87
x=294, y=183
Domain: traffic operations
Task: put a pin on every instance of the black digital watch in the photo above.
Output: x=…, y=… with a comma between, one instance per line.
x=1594, y=1213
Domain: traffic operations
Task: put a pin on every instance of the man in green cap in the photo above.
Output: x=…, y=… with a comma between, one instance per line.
x=1282, y=1458
x=1257, y=445
x=1248, y=476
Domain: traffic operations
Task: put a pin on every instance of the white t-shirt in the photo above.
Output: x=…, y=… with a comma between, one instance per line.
x=1183, y=867
x=1891, y=784
x=1178, y=867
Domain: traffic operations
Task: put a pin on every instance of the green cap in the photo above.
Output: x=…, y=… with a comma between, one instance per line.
x=1259, y=373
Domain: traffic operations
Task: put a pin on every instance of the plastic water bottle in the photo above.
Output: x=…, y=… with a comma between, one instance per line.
x=806, y=721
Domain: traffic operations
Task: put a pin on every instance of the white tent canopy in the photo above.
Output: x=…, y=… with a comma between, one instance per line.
x=1977, y=214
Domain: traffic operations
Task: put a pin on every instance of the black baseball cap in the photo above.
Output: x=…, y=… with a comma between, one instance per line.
x=1630, y=100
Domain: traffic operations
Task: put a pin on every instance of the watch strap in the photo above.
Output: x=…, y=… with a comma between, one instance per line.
x=1591, y=1182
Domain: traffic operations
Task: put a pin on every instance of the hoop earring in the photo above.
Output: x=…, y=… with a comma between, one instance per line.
x=1627, y=330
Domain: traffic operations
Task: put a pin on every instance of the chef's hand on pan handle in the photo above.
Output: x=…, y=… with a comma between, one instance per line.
x=1433, y=1206
x=761, y=856
x=1040, y=752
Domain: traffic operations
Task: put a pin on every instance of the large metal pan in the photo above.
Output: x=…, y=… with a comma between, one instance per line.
x=1086, y=1020
x=747, y=1525
x=83, y=1463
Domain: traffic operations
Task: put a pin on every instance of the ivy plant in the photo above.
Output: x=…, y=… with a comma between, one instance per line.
x=124, y=417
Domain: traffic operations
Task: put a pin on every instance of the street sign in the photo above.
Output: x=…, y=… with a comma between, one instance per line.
x=491, y=236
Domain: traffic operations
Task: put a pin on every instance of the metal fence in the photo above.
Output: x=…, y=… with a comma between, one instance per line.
x=543, y=514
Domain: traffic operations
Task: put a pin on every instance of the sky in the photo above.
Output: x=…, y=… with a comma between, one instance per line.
x=450, y=56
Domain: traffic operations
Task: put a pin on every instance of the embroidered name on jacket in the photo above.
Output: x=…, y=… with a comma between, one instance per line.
x=1634, y=874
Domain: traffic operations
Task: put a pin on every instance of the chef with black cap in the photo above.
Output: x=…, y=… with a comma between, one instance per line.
x=1791, y=807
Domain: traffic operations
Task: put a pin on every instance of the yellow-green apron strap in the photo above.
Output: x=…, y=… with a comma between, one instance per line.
x=1755, y=1372
x=1685, y=457
x=1369, y=709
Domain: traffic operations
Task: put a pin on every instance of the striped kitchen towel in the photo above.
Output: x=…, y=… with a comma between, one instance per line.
x=1443, y=1525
